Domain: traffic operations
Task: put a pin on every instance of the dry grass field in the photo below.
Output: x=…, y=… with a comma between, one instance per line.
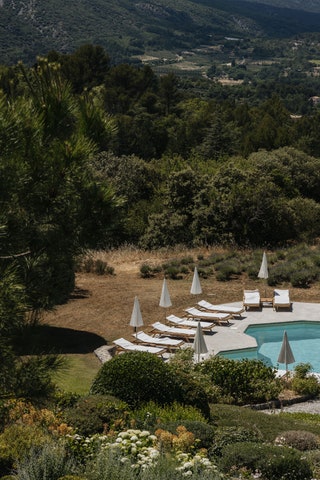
x=100, y=309
x=102, y=304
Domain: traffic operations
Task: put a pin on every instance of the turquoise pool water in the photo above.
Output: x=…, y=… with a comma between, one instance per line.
x=303, y=336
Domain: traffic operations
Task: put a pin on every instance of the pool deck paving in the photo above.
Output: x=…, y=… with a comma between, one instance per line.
x=233, y=336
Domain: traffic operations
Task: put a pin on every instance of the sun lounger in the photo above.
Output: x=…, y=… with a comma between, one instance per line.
x=165, y=342
x=251, y=299
x=221, y=308
x=176, y=332
x=123, y=345
x=218, y=318
x=281, y=299
x=184, y=322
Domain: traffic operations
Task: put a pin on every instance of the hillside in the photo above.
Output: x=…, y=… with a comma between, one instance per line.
x=125, y=29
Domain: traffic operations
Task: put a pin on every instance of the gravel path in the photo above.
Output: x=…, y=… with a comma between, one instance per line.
x=313, y=406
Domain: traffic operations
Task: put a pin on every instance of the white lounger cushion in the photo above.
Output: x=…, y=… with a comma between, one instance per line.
x=194, y=312
x=184, y=322
x=126, y=345
x=160, y=327
x=221, y=308
x=164, y=341
x=251, y=297
x=281, y=297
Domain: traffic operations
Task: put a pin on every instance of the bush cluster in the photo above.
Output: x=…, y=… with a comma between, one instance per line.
x=241, y=382
x=299, y=439
x=96, y=414
x=298, y=265
x=273, y=463
x=140, y=377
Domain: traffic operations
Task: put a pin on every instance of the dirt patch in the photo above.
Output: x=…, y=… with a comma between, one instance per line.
x=102, y=305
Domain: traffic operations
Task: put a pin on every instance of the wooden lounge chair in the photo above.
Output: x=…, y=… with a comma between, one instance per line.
x=184, y=322
x=165, y=342
x=203, y=304
x=218, y=318
x=251, y=299
x=281, y=299
x=176, y=332
x=123, y=345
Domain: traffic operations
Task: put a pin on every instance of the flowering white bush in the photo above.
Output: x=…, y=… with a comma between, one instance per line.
x=188, y=464
x=140, y=449
x=137, y=446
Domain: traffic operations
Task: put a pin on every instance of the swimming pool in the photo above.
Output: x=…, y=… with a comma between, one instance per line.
x=303, y=335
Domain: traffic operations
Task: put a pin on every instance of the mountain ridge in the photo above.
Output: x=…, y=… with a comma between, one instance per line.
x=124, y=29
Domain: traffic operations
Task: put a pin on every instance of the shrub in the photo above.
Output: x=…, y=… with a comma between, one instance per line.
x=241, y=455
x=229, y=435
x=279, y=274
x=136, y=377
x=51, y=462
x=285, y=464
x=187, y=260
x=202, y=432
x=100, y=267
x=16, y=441
x=306, y=386
x=302, y=369
x=146, y=271
x=96, y=414
x=303, y=278
x=274, y=463
x=299, y=439
x=151, y=414
x=173, y=273
x=226, y=270
x=88, y=265
x=304, y=383
x=192, y=393
x=241, y=381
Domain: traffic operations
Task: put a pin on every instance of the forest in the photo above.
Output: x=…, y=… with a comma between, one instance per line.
x=95, y=155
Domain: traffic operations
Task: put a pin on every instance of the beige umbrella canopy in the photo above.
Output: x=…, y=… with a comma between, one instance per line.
x=195, y=287
x=165, y=300
x=136, y=317
x=286, y=356
x=263, y=272
x=199, y=344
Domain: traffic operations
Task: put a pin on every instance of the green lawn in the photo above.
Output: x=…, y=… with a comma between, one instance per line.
x=77, y=375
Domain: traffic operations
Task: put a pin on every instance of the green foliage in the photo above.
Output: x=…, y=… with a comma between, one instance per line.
x=152, y=414
x=33, y=376
x=306, y=386
x=50, y=461
x=302, y=370
x=96, y=414
x=274, y=463
x=146, y=271
x=286, y=464
x=303, y=382
x=16, y=442
x=136, y=377
x=241, y=382
x=229, y=435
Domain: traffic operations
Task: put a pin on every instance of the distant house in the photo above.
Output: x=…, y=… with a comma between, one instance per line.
x=315, y=100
